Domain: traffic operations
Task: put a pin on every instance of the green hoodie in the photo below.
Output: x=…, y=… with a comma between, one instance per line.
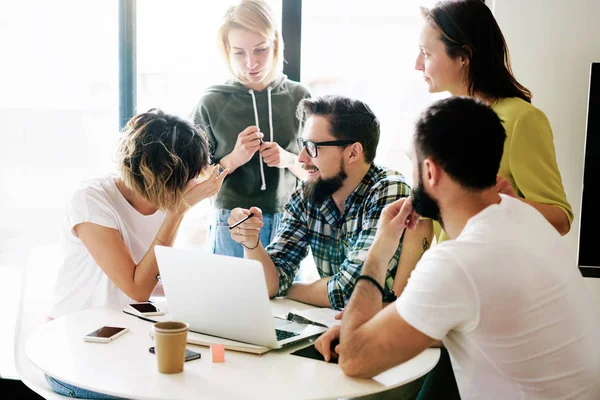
x=226, y=110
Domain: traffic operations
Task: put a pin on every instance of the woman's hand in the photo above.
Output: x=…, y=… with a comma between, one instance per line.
x=503, y=186
x=275, y=156
x=247, y=143
x=197, y=190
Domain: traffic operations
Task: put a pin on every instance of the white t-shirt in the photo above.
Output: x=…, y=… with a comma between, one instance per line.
x=511, y=308
x=81, y=283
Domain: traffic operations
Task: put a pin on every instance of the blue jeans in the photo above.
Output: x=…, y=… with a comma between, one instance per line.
x=65, y=389
x=219, y=237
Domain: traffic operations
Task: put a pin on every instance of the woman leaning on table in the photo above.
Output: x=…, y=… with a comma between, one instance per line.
x=114, y=222
x=463, y=51
x=251, y=124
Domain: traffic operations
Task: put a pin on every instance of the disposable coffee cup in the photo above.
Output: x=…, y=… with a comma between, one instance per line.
x=170, y=338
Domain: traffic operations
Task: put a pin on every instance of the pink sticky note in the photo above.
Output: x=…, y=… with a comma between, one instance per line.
x=217, y=352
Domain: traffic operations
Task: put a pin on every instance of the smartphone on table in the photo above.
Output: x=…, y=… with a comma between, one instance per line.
x=105, y=334
x=145, y=309
x=189, y=355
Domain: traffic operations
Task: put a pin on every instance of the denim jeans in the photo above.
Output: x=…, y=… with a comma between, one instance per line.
x=67, y=390
x=219, y=237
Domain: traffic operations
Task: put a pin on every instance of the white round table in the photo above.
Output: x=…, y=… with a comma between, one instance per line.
x=125, y=368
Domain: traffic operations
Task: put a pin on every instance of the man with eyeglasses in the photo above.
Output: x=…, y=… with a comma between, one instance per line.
x=335, y=212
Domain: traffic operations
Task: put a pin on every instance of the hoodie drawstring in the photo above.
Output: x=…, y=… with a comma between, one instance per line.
x=270, y=112
x=260, y=160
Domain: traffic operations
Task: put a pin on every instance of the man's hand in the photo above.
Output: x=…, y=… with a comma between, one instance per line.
x=503, y=187
x=395, y=218
x=328, y=343
x=275, y=156
x=248, y=233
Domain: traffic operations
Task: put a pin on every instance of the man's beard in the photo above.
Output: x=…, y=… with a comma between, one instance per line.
x=319, y=190
x=425, y=205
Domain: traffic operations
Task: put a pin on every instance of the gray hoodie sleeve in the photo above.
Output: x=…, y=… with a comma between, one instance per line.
x=201, y=119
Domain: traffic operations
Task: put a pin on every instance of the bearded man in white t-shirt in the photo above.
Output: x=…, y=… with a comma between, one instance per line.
x=504, y=296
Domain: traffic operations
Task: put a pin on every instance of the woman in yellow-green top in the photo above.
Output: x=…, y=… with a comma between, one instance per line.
x=463, y=51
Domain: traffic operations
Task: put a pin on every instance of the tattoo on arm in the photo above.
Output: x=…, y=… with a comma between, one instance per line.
x=425, y=244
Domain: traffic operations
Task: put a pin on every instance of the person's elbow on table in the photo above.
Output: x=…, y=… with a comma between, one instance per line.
x=352, y=367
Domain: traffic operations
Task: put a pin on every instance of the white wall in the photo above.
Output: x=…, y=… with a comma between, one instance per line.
x=552, y=43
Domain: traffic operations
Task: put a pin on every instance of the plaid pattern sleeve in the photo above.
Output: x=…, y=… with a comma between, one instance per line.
x=341, y=285
x=290, y=245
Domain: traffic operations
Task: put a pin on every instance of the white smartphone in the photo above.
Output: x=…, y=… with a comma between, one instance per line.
x=105, y=334
x=146, y=309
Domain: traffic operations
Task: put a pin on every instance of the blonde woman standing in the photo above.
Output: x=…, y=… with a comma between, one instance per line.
x=251, y=124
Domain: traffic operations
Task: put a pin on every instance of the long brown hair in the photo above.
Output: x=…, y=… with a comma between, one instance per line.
x=468, y=28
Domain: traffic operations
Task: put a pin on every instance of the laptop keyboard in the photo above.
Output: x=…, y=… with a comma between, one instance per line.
x=282, y=335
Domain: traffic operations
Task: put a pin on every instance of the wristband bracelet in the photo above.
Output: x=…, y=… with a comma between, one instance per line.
x=251, y=248
x=373, y=281
x=387, y=295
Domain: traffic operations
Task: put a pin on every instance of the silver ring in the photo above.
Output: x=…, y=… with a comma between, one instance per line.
x=238, y=231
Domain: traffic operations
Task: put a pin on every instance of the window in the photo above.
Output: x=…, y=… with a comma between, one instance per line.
x=369, y=53
x=58, y=107
x=177, y=56
x=59, y=113
x=177, y=59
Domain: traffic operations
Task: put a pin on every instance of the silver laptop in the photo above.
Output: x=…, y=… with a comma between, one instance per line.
x=225, y=297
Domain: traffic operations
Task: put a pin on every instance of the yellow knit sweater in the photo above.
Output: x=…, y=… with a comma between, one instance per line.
x=529, y=160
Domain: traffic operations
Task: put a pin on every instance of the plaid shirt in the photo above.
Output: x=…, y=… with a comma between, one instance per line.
x=339, y=242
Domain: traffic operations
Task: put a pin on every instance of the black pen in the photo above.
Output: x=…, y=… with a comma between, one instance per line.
x=140, y=317
x=301, y=320
x=241, y=221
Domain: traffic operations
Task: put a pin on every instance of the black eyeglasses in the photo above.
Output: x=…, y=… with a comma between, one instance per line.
x=311, y=147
